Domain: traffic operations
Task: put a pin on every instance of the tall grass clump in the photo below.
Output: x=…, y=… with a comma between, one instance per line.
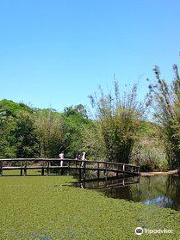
x=119, y=119
x=165, y=100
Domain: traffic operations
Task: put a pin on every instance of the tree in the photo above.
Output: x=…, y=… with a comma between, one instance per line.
x=76, y=121
x=93, y=142
x=165, y=100
x=26, y=142
x=49, y=128
x=7, y=139
x=17, y=138
x=119, y=120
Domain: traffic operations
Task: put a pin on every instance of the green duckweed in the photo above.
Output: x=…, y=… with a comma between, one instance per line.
x=43, y=208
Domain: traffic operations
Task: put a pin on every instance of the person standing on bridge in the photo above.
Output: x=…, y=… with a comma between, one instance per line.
x=77, y=157
x=83, y=158
x=61, y=155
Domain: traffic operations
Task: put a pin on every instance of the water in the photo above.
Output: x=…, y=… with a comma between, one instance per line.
x=162, y=191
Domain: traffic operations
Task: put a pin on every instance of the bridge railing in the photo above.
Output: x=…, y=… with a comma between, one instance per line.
x=57, y=163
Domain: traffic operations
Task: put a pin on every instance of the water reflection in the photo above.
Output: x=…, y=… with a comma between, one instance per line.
x=160, y=201
x=163, y=191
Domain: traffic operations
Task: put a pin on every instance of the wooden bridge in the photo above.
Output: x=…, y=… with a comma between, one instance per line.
x=48, y=165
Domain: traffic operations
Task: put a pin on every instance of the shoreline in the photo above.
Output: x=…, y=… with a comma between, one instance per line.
x=149, y=174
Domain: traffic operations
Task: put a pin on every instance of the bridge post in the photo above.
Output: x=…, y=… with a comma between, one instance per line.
x=21, y=170
x=138, y=171
x=117, y=173
x=1, y=166
x=68, y=167
x=98, y=170
x=25, y=170
x=84, y=170
x=76, y=162
x=62, y=171
x=123, y=169
x=80, y=173
x=106, y=172
x=42, y=173
x=48, y=168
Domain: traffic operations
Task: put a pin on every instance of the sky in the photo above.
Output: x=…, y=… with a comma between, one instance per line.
x=54, y=53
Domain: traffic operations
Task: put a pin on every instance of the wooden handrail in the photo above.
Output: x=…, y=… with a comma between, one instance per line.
x=69, y=164
x=65, y=160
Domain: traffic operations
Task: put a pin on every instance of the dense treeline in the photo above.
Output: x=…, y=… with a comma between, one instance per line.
x=117, y=132
x=30, y=132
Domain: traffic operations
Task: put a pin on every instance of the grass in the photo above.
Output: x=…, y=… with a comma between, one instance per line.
x=42, y=208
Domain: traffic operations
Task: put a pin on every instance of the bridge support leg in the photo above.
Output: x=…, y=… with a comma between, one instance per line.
x=98, y=171
x=42, y=173
x=84, y=174
x=1, y=170
x=68, y=168
x=80, y=174
x=48, y=168
x=123, y=170
x=25, y=171
x=106, y=172
x=98, y=175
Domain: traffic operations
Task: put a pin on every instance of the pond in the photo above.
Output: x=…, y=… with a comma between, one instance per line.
x=163, y=191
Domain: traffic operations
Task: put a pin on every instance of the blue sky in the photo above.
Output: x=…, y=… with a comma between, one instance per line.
x=56, y=52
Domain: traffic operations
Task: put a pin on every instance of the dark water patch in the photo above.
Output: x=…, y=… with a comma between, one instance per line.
x=162, y=191
x=109, y=183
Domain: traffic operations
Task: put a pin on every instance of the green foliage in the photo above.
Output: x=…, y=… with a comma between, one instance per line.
x=150, y=155
x=25, y=136
x=27, y=132
x=7, y=140
x=149, y=151
x=17, y=137
x=119, y=120
x=148, y=129
x=93, y=141
x=49, y=128
x=166, y=103
x=13, y=109
x=76, y=122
